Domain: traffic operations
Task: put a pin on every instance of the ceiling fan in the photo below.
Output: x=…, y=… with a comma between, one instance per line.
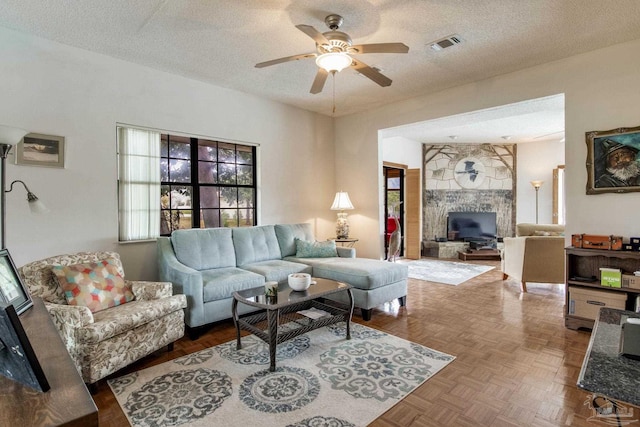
x=334, y=50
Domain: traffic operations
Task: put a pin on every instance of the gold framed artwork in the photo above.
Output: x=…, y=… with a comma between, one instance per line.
x=612, y=160
x=36, y=149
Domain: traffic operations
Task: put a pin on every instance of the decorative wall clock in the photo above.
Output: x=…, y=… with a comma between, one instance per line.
x=469, y=172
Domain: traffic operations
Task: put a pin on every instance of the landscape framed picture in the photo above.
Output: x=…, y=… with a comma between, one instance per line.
x=37, y=149
x=612, y=160
x=12, y=290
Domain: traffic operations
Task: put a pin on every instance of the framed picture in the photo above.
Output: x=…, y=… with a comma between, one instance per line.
x=36, y=149
x=612, y=160
x=18, y=361
x=12, y=290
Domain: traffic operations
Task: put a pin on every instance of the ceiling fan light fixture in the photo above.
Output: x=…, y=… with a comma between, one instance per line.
x=334, y=61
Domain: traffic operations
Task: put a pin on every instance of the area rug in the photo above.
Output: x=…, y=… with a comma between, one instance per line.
x=320, y=379
x=447, y=272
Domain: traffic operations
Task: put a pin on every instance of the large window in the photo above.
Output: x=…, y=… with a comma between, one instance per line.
x=200, y=183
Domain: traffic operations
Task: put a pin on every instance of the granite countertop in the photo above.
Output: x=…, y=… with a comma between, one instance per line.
x=604, y=371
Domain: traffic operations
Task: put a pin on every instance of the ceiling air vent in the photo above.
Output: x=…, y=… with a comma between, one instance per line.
x=445, y=42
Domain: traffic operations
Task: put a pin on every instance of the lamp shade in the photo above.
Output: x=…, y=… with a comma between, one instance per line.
x=341, y=201
x=11, y=135
x=334, y=61
x=537, y=184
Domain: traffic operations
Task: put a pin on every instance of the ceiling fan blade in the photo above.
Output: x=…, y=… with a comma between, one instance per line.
x=313, y=33
x=319, y=81
x=286, y=59
x=380, y=48
x=367, y=71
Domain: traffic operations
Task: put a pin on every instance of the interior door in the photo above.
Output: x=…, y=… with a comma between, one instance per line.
x=413, y=209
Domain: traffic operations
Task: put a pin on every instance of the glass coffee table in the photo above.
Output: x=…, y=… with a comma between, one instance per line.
x=283, y=309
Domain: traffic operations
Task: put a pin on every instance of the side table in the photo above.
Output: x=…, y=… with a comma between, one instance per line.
x=347, y=243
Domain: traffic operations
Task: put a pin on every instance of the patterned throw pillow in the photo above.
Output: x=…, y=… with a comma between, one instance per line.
x=96, y=285
x=305, y=249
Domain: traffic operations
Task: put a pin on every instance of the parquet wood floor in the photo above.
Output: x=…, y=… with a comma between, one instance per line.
x=516, y=364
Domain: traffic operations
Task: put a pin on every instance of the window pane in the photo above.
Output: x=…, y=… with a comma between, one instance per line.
x=164, y=170
x=207, y=150
x=179, y=147
x=180, y=196
x=210, y=218
x=245, y=197
x=164, y=145
x=245, y=155
x=228, y=197
x=229, y=217
x=226, y=174
x=207, y=173
x=226, y=153
x=245, y=175
x=209, y=197
x=179, y=171
x=246, y=217
x=186, y=218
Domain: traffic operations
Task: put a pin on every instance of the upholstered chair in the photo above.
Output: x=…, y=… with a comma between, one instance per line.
x=107, y=340
x=536, y=254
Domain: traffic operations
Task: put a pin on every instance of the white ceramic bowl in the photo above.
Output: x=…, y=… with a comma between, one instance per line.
x=299, y=281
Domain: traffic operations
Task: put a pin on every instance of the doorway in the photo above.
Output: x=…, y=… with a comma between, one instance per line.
x=394, y=176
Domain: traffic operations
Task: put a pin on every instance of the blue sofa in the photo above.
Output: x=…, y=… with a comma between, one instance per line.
x=209, y=264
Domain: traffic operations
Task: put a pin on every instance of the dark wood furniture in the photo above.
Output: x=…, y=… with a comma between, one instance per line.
x=582, y=269
x=283, y=309
x=67, y=403
x=479, y=254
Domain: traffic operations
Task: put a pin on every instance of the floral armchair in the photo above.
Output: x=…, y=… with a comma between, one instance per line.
x=105, y=341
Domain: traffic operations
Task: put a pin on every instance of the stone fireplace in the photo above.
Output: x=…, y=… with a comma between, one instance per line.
x=468, y=178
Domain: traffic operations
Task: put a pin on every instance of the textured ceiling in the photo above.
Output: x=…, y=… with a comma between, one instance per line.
x=220, y=41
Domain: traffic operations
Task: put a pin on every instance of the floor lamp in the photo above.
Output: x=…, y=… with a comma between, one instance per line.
x=9, y=136
x=537, y=185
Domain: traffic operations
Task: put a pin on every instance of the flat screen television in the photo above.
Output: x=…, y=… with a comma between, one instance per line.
x=467, y=226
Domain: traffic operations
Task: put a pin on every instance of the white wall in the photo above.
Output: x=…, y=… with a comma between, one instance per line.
x=536, y=161
x=598, y=96
x=59, y=90
x=402, y=150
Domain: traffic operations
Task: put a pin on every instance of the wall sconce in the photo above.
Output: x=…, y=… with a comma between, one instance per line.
x=340, y=203
x=537, y=185
x=10, y=136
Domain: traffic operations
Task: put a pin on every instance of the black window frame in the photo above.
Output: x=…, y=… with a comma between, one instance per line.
x=172, y=218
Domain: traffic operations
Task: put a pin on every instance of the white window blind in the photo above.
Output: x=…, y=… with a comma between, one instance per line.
x=138, y=184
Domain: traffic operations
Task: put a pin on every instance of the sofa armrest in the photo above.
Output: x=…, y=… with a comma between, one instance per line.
x=68, y=319
x=346, y=252
x=146, y=291
x=185, y=280
x=513, y=256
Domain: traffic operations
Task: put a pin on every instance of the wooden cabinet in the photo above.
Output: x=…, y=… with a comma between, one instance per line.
x=67, y=403
x=582, y=270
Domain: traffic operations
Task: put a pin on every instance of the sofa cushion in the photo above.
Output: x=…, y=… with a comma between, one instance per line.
x=527, y=229
x=307, y=249
x=255, y=244
x=96, y=285
x=287, y=233
x=221, y=283
x=361, y=273
x=202, y=249
x=277, y=270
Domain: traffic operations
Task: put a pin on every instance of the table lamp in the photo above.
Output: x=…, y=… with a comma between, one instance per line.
x=340, y=203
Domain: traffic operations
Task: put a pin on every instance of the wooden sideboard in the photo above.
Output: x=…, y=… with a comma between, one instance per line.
x=68, y=403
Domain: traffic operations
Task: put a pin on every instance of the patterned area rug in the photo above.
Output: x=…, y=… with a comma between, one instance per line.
x=321, y=379
x=447, y=272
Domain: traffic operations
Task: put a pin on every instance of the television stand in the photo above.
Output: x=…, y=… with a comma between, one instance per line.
x=479, y=254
